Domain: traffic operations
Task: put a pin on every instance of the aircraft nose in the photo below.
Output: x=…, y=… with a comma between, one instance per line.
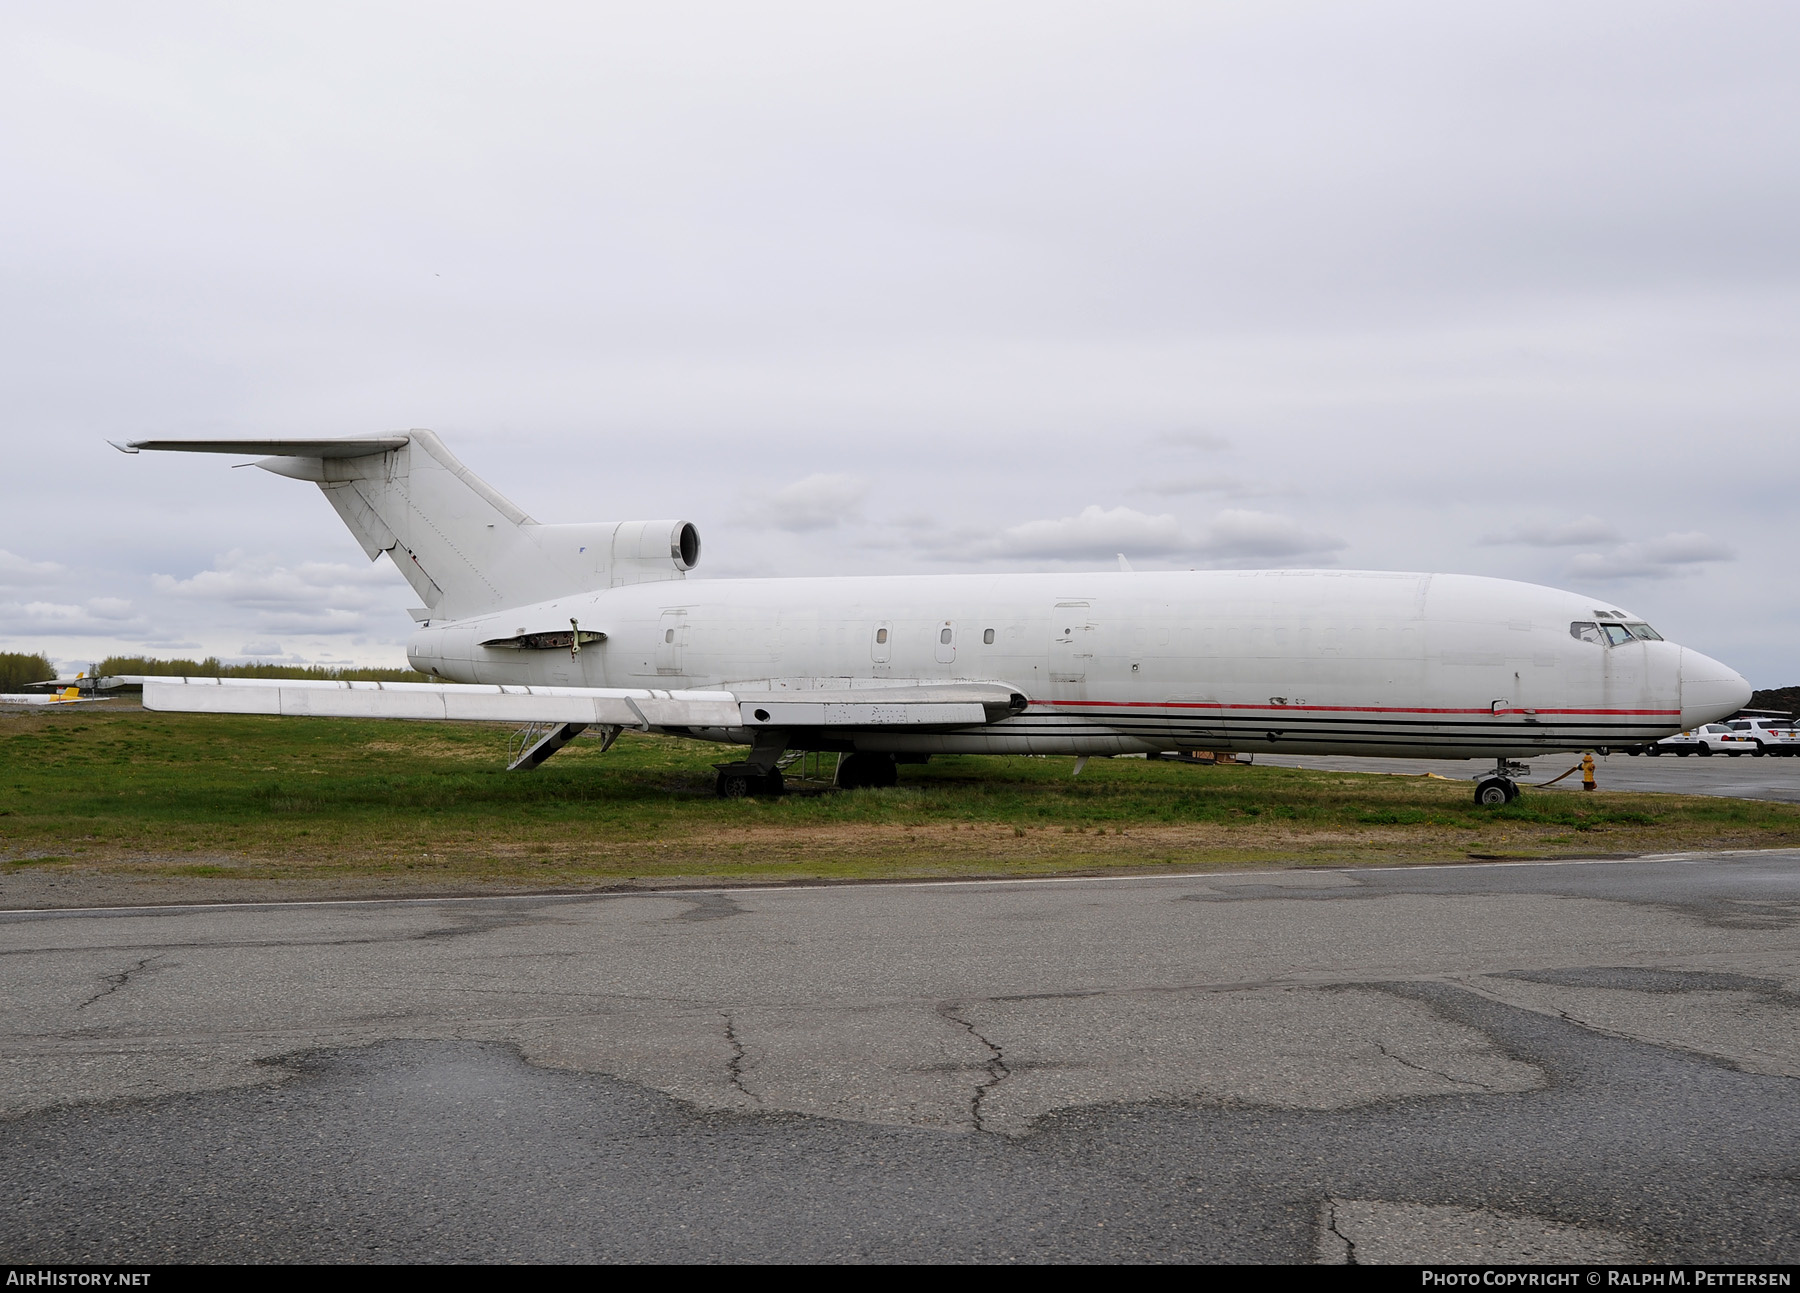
x=1709, y=690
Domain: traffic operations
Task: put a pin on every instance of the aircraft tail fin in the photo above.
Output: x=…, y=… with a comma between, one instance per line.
x=465, y=548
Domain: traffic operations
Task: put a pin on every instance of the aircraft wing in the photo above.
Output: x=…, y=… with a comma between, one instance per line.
x=963, y=705
x=351, y=447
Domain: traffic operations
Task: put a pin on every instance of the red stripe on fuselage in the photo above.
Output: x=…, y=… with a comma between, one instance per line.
x=1323, y=709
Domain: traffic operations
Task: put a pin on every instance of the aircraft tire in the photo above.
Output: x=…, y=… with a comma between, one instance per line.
x=732, y=785
x=1490, y=792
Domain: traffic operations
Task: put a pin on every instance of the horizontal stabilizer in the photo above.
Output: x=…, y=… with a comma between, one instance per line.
x=353, y=447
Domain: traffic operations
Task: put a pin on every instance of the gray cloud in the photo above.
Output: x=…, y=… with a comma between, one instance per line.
x=1222, y=486
x=1205, y=441
x=1558, y=534
x=1240, y=536
x=1094, y=532
x=817, y=502
x=1234, y=537
x=327, y=599
x=1438, y=270
x=20, y=572
x=1673, y=554
x=97, y=616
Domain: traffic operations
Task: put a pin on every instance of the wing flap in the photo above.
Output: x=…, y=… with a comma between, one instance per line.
x=440, y=702
x=811, y=713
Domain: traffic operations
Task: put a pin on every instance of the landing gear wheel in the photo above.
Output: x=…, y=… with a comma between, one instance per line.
x=1493, y=791
x=867, y=771
x=742, y=782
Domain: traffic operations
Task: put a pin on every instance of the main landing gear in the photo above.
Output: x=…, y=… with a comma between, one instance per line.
x=742, y=780
x=1499, y=787
x=756, y=775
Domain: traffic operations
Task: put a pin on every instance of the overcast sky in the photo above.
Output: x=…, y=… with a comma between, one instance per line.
x=1507, y=289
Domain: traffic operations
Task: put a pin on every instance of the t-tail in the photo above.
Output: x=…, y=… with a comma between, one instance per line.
x=465, y=548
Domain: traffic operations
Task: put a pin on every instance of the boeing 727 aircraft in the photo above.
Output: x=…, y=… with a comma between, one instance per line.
x=597, y=624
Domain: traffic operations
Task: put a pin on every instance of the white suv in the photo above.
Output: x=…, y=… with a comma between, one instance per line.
x=1772, y=735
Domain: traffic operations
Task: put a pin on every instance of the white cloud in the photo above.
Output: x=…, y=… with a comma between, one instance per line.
x=330, y=598
x=1673, y=554
x=818, y=502
x=96, y=616
x=1243, y=537
x=1206, y=441
x=1225, y=486
x=20, y=572
x=1093, y=533
x=1558, y=534
x=261, y=650
x=1234, y=537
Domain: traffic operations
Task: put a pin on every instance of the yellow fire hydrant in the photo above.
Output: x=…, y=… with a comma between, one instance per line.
x=1587, y=770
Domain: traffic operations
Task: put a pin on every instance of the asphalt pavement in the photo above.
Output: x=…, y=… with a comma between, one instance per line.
x=1742, y=777
x=1584, y=1062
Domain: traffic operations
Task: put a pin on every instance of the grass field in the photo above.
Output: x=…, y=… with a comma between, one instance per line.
x=339, y=803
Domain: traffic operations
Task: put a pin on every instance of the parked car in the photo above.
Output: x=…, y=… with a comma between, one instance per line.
x=1714, y=738
x=1772, y=735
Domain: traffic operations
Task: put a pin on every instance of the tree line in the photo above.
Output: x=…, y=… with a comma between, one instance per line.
x=17, y=669
x=211, y=668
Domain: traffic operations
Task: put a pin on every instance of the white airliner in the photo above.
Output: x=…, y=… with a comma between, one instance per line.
x=597, y=624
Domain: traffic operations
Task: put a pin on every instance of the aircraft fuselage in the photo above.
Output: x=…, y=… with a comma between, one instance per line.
x=1339, y=662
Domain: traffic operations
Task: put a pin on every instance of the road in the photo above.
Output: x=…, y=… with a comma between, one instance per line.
x=1568, y=1061
x=1745, y=777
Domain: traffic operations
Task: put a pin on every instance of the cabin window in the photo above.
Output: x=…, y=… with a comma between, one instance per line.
x=987, y=636
x=881, y=635
x=1643, y=632
x=1616, y=634
x=944, y=637
x=668, y=635
x=1582, y=631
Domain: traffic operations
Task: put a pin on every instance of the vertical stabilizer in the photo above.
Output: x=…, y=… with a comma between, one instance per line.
x=465, y=548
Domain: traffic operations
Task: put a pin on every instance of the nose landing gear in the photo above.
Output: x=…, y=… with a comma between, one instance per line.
x=1499, y=786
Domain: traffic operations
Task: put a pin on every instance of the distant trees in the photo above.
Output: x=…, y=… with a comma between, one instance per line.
x=17, y=669
x=211, y=668
x=1783, y=700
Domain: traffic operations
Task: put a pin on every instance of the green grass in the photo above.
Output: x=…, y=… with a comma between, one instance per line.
x=204, y=796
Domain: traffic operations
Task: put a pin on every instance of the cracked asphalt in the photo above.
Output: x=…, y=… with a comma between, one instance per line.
x=1546, y=1062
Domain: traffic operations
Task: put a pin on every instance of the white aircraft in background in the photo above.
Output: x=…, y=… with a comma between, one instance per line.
x=597, y=624
x=82, y=689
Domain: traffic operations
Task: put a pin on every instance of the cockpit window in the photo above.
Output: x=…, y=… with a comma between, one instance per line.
x=1615, y=634
x=1644, y=631
x=1582, y=631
